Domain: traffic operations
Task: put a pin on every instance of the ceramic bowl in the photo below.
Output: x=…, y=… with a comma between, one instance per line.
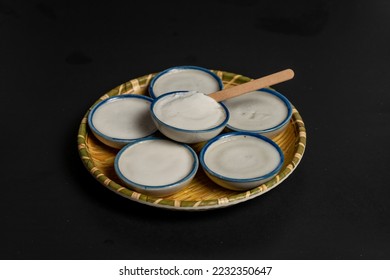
x=185, y=78
x=240, y=160
x=119, y=120
x=155, y=166
x=183, y=133
x=266, y=112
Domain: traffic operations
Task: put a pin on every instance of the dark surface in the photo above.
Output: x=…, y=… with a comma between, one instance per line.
x=57, y=58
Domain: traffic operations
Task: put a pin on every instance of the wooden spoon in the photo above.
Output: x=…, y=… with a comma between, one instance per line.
x=265, y=81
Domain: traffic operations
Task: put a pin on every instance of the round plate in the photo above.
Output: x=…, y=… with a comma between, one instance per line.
x=202, y=193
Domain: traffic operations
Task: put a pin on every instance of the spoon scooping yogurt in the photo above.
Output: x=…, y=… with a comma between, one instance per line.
x=192, y=117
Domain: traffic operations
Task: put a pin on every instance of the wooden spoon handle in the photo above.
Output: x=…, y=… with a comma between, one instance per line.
x=265, y=81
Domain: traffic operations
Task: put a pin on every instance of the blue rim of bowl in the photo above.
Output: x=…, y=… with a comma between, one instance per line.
x=223, y=124
x=276, y=127
x=245, y=180
x=194, y=168
x=185, y=67
x=111, y=99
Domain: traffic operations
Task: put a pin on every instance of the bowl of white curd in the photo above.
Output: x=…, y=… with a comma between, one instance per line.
x=265, y=111
x=119, y=120
x=185, y=78
x=189, y=116
x=240, y=160
x=156, y=166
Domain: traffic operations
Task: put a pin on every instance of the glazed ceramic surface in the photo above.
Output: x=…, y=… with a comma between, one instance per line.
x=266, y=112
x=189, y=120
x=240, y=160
x=185, y=78
x=156, y=166
x=119, y=120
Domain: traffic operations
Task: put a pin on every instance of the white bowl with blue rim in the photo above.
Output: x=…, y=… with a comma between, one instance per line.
x=196, y=119
x=185, y=78
x=156, y=166
x=119, y=120
x=240, y=160
x=265, y=111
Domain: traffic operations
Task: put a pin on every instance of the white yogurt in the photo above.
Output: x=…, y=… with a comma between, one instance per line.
x=124, y=118
x=242, y=157
x=190, y=111
x=257, y=110
x=156, y=162
x=185, y=79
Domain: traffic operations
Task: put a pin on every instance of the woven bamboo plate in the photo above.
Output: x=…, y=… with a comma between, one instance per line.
x=202, y=193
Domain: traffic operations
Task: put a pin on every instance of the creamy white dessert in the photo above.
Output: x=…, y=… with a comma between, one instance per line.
x=156, y=162
x=256, y=111
x=190, y=111
x=124, y=118
x=185, y=79
x=242, y=157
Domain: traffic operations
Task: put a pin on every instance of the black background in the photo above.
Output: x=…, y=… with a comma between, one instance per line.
x=58, y=57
